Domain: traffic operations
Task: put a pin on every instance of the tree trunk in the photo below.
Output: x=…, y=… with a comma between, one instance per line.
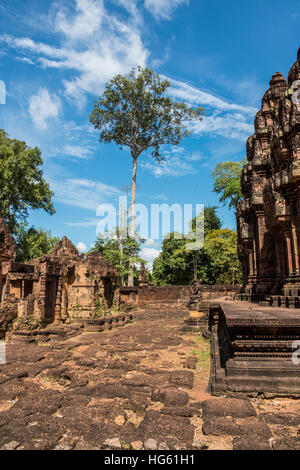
x=195, y=262
x=121, y=235
x=121, y=261
x=132, y=221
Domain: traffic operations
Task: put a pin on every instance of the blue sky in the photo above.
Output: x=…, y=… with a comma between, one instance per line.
x=56, y=56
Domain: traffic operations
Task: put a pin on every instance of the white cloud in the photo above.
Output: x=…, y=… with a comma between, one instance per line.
x=163, y=8
x=171, y=167
x=90, y=222
x=196, y=96
x=81, y=247
x=95, y=46
x=77, y=151
x=149, y=254
x=223, y=118
x=86, y=21
x=25, y=60
x=229, y=126
x=150, y=243
x=132, y=8
x=43, y=107
x=179, y=162
x=82, y=193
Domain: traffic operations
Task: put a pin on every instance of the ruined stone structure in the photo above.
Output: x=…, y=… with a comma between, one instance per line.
x=58, y=286
x=268, y=217
x=143, y=280
x=255, y=347
x=171, y=295
x=197, y=320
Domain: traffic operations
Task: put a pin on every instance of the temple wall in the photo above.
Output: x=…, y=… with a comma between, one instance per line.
x=171, y=294
x=80, y=293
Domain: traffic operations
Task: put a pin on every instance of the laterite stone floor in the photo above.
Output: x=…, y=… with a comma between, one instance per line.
x=138, y=386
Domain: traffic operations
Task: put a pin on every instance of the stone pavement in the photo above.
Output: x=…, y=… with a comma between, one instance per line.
x=139, y=386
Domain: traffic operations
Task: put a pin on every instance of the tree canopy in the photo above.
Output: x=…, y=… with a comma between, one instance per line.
x=177, y=265
x=119, y=256
x=220, y=246
x=227, y=182
x=32, y=243
x=134, y=112
x=22, y=186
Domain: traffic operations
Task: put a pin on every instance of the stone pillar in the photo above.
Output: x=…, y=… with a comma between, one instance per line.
x=254, y=259
x=6, y=288
x=261, y=226
x=251, y=261
x=278, y=259
x=42, y=296
x=296, y=252
x=1, y=280
x=261, y=230
x=288, y=243
x=58, y=299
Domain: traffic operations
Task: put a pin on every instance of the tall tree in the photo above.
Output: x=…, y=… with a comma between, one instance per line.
x=22, y=186
x=227, y=182
x=134, y=112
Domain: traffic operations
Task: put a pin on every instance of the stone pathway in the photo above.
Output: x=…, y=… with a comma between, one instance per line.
x=143, y=385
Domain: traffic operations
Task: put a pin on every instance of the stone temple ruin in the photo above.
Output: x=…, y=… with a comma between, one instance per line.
x=252, y=345
x=269, y=216
x=79, y=386
x=60, y=286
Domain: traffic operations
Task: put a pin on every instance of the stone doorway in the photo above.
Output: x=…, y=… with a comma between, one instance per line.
x=108, y=292
x=51, y=289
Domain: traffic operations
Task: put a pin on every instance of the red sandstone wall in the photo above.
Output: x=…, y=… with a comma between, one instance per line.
x=172, y=294
x=164, y=294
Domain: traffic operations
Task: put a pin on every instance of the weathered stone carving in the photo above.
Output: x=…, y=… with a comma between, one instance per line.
x=143, y=280
x=7, y=247
x=268, y=219
x=58, y=286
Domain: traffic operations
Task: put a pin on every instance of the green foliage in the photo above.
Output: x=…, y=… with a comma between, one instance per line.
x=117, y=255
x=176, y=265
x=202, y=353
x=172, y=267
x=22, y=186
x=215, y=263
x=211, y=220
x=100, y=308
x=77, y=309
x=134, y=112
x=32, y=243
x=221, y=248
x=227, y=182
